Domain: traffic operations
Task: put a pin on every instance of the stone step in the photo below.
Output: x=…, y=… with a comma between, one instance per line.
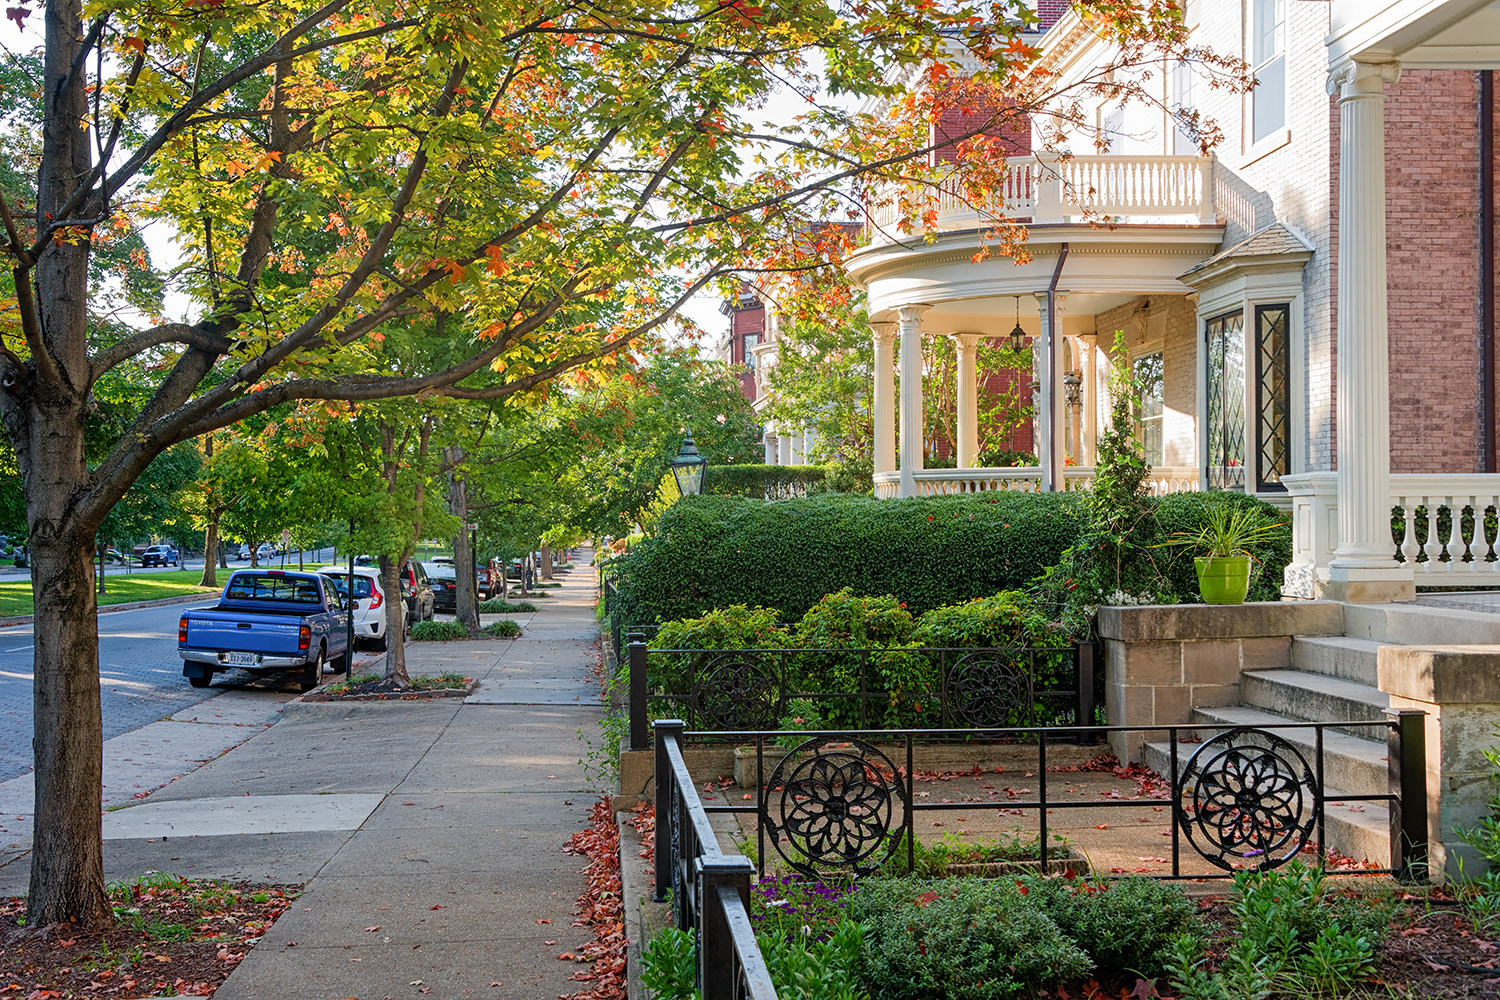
x=1361, y=830
x=1351, y=763
x=1296, y=694
x=1418, y=625
x=1337, y=656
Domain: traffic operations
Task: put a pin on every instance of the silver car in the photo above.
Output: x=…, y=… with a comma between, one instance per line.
x=369, y=617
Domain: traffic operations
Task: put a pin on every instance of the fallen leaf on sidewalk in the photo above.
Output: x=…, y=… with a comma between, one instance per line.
x=497, y=983
x=544, y=920
x=566, y=956
x=436, y=906
x=372, y=930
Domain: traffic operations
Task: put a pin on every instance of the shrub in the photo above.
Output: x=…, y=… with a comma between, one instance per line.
x=734, y=627
x=669, y=965
x=962, y=937
x=1190, y=512
x=1009, y=618
x=497, y=606
x=1125, y=924
x=845, y=621
x=826, y=969
x=438, y=631
x=763, y=482
x=712, y=552
x=503, y=629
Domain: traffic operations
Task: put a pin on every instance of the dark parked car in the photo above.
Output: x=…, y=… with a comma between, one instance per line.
x=416, y=590
x=160, y=555
x=444, y=586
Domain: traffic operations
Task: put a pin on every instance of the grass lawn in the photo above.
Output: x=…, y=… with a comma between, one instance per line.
x=15, y=596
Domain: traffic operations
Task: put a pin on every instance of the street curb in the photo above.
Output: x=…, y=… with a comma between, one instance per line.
x=159, y=602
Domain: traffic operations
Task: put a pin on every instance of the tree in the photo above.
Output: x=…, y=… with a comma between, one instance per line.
x=555, y=178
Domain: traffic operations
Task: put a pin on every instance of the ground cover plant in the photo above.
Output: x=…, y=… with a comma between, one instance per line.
x=172, y=937
x=503, y=629
x=436, y=631
x=498, y=606
x=379, y=687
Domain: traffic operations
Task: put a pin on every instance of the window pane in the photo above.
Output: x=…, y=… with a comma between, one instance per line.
x=1148, y=372
x=1268, y=101
x=1225, y=380
x=1265, y=32
x=1273, y=395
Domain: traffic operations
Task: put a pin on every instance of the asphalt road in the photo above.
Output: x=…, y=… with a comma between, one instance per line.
x=140, y=679
x=9, y=572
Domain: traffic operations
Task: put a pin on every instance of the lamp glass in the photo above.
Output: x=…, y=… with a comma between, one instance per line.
x=688, y=468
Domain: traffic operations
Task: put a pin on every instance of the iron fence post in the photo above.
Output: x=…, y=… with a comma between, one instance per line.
x=716, y=962
x=667, y=731
x=638, y=735
x=1083, y=668
x=1406, y=759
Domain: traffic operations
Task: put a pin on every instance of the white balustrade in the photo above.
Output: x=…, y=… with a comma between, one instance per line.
x=1442, y=526
x=1025, y=479
x=1050, y=189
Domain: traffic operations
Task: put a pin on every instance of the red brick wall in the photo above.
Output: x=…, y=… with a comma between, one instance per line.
x=953, y=123
x=1050, y=10
x=1432, y=180
x=741, y=322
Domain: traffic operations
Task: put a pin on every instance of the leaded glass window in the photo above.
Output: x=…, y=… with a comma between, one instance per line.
x=1148, y=419
x=1273, y=395
x=1224, y=454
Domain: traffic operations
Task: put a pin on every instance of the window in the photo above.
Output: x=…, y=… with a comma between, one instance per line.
x=340, y=581
x=1224, y=451
x=1268, y=60
x=1147, y=369
x=1114, y=130
x=1272, y=395
x=1184, y=142
x=268, y=587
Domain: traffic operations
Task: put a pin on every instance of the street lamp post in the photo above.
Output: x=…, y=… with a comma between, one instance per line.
x=688, y=467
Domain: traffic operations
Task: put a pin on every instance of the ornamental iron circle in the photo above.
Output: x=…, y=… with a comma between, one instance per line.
x=990, y=688
x=736, y=691
x=1247, y=800
x=834, y=803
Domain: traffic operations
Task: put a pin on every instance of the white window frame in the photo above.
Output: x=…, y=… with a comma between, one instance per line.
x=1156, y=346
x=1278, y=137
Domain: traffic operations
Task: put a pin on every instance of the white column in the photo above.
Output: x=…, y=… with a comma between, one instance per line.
x=1090, y=350
x=1364, y=567
x=809, y=442
x=884, y=403
x=1075, y=417
x=911, y=396
x=794, y=453
x=768, y=437
x=1049, y=408
x=966, y=348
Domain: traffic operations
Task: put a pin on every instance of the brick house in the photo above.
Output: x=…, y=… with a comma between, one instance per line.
x=1243, y=286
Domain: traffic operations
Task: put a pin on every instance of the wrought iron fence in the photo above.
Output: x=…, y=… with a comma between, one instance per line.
x=710, y=889
x=1244, y=798
x=946, y=688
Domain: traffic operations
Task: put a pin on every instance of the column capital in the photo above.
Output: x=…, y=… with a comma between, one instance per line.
x=1058, y=298
x=883, y=331
x=1353, y=79
x=964, y=340
x=912, y=314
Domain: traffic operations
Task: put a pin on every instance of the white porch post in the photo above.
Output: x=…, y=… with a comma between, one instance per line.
x=770, y=442
x=966, y=349
x=1364, y=567
x=911, y=396
x=795, y=450
x=884, y=403
x=1090, y=368
x=1049, y=408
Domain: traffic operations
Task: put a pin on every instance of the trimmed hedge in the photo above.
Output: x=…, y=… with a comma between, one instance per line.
x=713, y=552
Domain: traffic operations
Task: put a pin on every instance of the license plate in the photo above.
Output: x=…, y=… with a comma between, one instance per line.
x=240, y=659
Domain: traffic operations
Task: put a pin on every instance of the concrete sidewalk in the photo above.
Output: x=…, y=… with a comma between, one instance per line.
x=430, y=833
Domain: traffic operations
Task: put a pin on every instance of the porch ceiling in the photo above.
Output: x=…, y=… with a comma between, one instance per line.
x=1105, y=268
x=1422, y=34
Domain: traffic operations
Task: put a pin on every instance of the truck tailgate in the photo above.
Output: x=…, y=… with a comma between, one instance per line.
x=244, y=631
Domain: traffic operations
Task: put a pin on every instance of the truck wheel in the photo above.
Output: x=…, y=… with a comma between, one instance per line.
x=312, y=674
x=200, y=682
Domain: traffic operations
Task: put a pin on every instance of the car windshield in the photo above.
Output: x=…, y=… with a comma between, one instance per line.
x=437, y=571
x=341, y=581
x=272, y=587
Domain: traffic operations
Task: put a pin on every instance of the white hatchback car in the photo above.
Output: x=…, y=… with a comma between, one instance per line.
x=369, y=619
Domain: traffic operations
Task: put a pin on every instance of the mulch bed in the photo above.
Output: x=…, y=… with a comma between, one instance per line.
x=384, y=690
x=171, y=938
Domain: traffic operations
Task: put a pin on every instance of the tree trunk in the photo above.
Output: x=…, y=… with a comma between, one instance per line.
x=465, y=592
x=546, y=562
x=210, y=549
x=67, y=862
x=255, y=555
x=395, y=629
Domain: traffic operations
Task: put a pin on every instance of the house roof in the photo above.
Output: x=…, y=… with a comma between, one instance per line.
x=1276, y=240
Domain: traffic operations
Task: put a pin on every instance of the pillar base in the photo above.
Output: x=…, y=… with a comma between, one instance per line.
x=1368, y=584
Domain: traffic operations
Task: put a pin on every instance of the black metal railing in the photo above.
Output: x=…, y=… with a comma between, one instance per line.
x=710, y=889
x=1244, y=797
x=939, y=688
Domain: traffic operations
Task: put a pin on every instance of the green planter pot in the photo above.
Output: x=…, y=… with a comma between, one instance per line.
x=1223, y=579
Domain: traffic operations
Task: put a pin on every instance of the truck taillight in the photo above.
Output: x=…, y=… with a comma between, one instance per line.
x=376, y=597
x=304, y=638
x=182, y=630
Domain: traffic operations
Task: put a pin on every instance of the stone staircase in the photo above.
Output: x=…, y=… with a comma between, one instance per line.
x=1334, y=679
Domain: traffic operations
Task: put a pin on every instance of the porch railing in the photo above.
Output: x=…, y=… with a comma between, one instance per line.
x=942, y=687
x=1244, y=798
x=1045, y=189
x=1025, y=479
x=1442, y=526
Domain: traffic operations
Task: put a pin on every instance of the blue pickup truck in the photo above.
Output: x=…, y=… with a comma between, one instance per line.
x=267, y=620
